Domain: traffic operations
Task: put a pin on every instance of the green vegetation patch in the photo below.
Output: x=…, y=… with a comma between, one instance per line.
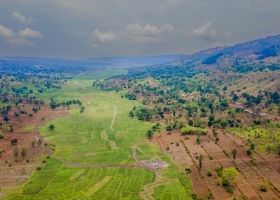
x=192, y=130
x=173, y=190
x=26, y=128
x=56, y=181
x=266, y=139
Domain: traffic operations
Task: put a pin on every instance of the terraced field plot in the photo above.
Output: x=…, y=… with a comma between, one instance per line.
x=92, y=156
x=58, y=181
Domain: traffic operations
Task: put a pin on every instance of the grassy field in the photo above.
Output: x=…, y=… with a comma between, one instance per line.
x=89, y=148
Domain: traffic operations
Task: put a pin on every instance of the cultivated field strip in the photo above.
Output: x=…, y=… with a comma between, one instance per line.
x=86, y=163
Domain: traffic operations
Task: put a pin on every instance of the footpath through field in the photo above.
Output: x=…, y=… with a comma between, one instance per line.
x=149, y=189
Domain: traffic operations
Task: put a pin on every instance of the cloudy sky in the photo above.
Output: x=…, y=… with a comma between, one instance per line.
x=95, y=28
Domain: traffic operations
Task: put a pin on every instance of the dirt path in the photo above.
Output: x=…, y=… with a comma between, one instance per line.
x=139, y=163
x=113, y=120
x=6, y=154
x=160, y=142
x=36, y=132
x=149, y=189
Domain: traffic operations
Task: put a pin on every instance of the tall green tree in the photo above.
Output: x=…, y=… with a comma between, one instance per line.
x=169, y=129
x=224, y=123
x=131, y=114
x=198, y=139
x=51, y=127
x=200, y=161
x=16, y=152
x=229, y=175
x=23, y=152
x=6, y=118
x=234, y=152
x=149, y=134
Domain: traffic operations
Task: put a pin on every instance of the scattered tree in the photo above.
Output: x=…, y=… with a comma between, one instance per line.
x=131, y=114
x=216, y=140
x=234, y=152
x=23, y=152
x=198, y=139
x=209, y=172
x=6, y=118
x=149, y=134
x=229, y=175
x=33, y=144
x=188, y=170
x=169, y=129
x=14, y=141
x=248, y=151
x=224, y=123
x=252, y=146
x=11, y=128
x=264, y=187
x=35, y=109
x=15, y=152
x=200, y=161
x=51, y=127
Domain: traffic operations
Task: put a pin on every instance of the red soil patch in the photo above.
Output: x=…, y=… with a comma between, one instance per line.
x=250, y=177
x=16, y=171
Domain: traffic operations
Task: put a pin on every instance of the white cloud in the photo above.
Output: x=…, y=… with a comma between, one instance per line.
x=6, y=32
x=22, y=19
x=20, y=41
x=226, y=33
x=105, y=37
x=30, y=33
x=166, y=27
x=133, y=33
x=145, y=30
x=143, y=34
x=205, y=32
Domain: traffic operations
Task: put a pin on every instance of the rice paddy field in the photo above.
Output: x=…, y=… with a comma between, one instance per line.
x=92, y=156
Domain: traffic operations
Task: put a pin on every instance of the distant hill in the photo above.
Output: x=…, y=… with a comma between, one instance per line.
x=260, y=54
x=138, y=60
x=46, y=66
x=50, y=61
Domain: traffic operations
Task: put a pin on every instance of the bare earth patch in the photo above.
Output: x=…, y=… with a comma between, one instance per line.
x=185, y=154
x=16, y=171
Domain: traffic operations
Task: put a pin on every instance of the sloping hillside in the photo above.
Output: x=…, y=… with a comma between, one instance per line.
x=255, y=55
